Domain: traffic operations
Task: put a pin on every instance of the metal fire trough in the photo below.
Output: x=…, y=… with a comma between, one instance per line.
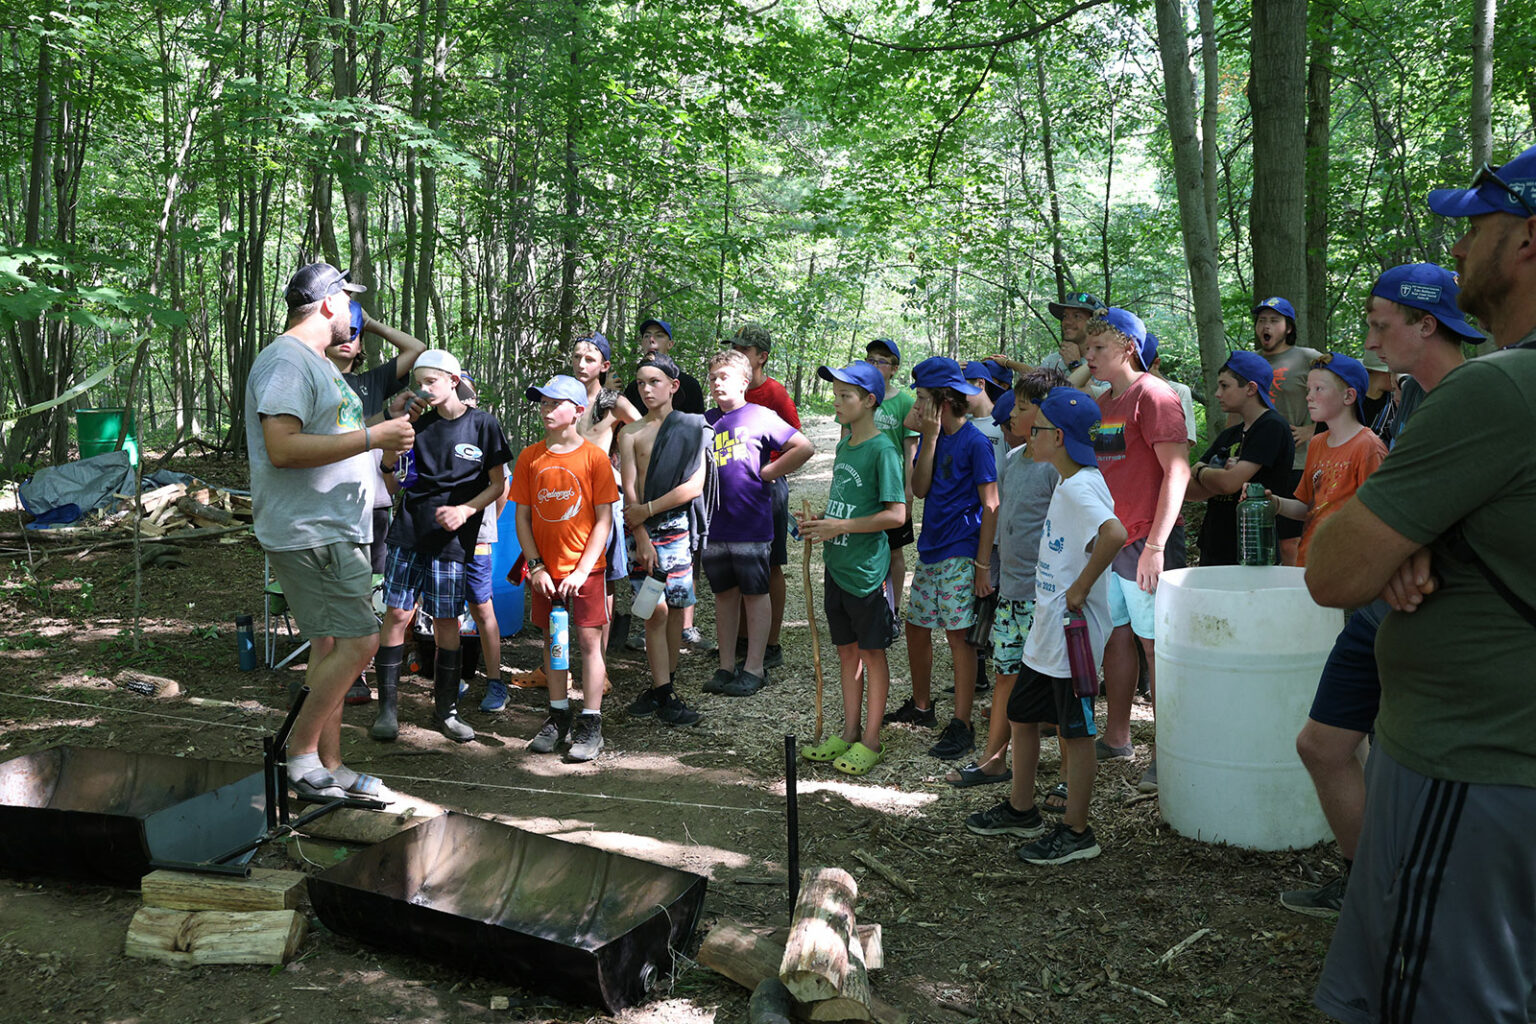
x=577, y=923
x=109, y=815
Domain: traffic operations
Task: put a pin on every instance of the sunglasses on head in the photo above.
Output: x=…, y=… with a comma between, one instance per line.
x=1488, y=175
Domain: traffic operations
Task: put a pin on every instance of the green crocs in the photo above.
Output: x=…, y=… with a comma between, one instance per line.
x=830, y=749
x=858, y=760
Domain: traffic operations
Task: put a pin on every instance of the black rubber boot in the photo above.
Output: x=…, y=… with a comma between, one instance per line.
x=618, y=633
x=445, y=697
x=386, y=666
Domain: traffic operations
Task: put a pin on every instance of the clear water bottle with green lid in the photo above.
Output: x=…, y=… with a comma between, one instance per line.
x=1255, y=527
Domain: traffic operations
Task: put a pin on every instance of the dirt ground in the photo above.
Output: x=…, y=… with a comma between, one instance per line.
x=987, y=938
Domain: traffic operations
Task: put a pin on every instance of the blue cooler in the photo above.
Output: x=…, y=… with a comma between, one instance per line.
x=506, y=598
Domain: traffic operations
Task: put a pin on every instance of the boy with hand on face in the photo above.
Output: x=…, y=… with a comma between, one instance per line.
x=564, y=490
x=737, y=556
x=868, y=497
x=459, y=457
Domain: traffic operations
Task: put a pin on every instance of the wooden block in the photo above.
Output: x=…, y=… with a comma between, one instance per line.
x=266, y=889
x=145, y=684
x=747, y=957
x=356, y=825
x=823, y=958
x=191, y=937
x=870, y=938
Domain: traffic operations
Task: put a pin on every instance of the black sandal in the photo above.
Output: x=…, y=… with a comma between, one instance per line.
x=1057, y=792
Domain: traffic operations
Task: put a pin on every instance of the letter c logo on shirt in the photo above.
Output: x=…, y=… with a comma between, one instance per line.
x=468, y=451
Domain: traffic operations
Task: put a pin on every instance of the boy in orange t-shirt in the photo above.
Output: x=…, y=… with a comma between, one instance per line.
x=1339, y=460
x=564, y=490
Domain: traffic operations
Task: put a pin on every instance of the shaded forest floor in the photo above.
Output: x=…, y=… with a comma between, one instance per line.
x=987, y=938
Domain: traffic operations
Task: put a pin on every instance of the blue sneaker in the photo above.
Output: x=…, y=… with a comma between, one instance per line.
x=495, y=695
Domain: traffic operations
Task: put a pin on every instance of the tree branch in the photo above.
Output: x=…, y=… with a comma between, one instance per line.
x=1014, y=37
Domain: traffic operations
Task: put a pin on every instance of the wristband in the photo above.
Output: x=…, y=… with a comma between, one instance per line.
x=367, y=442
x=648, y=512
x=1154, y=547
x=980, y=564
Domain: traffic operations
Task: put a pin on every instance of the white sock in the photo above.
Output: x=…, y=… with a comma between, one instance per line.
x=300, y=765
x=592, y=711
x=560, y=705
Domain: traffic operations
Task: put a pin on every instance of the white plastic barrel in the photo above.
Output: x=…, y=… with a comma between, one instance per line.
x=1239, y=653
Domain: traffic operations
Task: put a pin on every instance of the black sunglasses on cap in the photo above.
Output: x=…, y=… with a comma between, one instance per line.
x=1488, y=175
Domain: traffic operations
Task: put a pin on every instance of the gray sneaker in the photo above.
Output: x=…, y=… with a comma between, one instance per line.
x=1324, y=901
x=696, y=641
x=554, y=730
x=1148, y=781
x=586, y=737
x=1104, y=752
x=1003, y=820
x=1061, y=846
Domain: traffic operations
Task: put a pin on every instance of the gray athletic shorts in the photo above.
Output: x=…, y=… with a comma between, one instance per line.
x=330, y=589
x=1439, y=920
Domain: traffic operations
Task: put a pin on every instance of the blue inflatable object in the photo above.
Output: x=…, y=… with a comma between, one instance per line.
x=506, y=598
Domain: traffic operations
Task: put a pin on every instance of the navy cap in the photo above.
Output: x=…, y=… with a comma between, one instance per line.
x=941, y=372
x=599, y=342
x=316, y=281
x=1076, y=415
x=659, y=323
x=1430, y=287
x=1348, y=369
x=1279, y=305
x=1075, y=300
x=1507, y=189
x=560, y=388
x=1002, y=409
x=885, y=343
x=1250, y=366
x=860, y=374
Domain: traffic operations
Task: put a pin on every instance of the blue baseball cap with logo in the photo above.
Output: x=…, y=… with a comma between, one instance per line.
x=1429, y=287
x=1279, y=305
x=1076, y=415
x=860, y=374
x=1250, y=366
x=942, y=372
x=560, y=388
x=1507, y=189
x=1348, y=369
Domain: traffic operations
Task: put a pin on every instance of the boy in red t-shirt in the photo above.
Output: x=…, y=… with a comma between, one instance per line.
x=1337, y=461
x=564, y=490
x=1143, y=451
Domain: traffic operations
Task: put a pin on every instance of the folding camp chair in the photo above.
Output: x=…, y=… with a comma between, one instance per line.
x=275, y=608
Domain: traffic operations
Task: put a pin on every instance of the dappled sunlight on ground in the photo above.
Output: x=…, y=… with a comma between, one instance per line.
x=887, y=799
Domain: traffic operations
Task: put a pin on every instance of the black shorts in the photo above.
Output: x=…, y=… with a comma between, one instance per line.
x=1287, y=528
x=1041, y=698
x=867, y=621
x=778, y=490
x=1349, y=691
x=901, y=536
x=380, y=550
x=736, y=565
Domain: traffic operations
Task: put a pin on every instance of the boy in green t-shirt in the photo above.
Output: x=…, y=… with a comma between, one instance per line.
x=867, y=498
x=891, y=420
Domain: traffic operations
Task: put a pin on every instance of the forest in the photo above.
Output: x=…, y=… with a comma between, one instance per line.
x=506, y=175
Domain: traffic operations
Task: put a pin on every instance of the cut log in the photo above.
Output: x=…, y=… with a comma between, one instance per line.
x=191, y=937
x=145, y=684
x=823, y=959
x=355, y=825
x=771, y=1003
x=202, y=514
x=266, y=889
x=747, y=957
x=871, y=941
x=153, y=501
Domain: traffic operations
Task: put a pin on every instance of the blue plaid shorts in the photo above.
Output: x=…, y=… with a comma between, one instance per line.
x=438, y=582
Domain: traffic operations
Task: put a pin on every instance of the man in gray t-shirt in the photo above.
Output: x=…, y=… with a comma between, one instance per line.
x=312, y=480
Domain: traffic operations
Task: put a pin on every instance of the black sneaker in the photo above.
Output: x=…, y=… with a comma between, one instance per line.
x=773, y=656
x=675, y=712
x=1325, y=901
x=910, y=714
x=646, y=705
x=586, y=738
x=717, y=683
x=1060, y=846
x=956, y=739
x=553, y=732
x=359, y=693
x=745, y=684
x=1003, y=820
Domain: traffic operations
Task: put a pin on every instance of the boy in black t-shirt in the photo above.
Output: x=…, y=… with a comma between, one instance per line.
x=1258, y=449
x=459, y=455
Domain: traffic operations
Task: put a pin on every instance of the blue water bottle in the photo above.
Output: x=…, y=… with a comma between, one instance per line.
x=559, y=638
x=245, y=640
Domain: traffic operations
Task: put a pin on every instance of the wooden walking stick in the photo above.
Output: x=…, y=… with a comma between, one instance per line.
x=810, y=614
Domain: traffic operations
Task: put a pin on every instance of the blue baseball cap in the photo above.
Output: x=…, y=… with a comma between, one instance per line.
x=1429, y=287
x=978, y=370
x=1507, y=189
x=1130, y=325
x=1076, y=415
x=1348, y=369
x=860, y=374
x=1002, y=410
x=1279, y=305
x=601, y=343
x=942, y=372
x=1000, y=373
x=1149, y=351
x=560, y=388
x=1250, y=366
x=885, y=343
x=659, y=323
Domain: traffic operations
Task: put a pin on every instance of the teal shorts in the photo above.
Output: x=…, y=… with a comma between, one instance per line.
x=1010, y=628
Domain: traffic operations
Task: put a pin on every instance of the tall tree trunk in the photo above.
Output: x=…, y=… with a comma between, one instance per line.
x=1319, y=113
x=353, y=146
x=1194, y=213
x=1209, y=114
x=426, y=262
x=569, y=247
x=1482, y=81
x=1058, y=260
x=1277, y=95
x=27, y=343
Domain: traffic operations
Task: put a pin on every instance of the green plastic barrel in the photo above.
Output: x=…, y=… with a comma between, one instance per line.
x=97, y=430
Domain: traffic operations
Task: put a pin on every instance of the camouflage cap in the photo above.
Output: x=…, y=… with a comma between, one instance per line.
x=753, y=336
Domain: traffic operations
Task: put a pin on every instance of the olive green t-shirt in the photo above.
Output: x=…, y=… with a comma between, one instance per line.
x=865, y=477
x=890, y=414
x=1288, y=390
x=1456, y=687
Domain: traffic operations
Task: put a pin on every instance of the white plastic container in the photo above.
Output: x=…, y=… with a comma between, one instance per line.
x=1239, y=653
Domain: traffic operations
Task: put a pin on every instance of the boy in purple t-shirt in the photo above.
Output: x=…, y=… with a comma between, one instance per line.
x=735, y=557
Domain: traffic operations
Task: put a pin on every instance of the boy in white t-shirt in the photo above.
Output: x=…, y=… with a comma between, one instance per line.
x=1080, y=539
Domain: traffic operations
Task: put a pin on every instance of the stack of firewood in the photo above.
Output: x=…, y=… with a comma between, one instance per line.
x=192, y=918
x=179, y=507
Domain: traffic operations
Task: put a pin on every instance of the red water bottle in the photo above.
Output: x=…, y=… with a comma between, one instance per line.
x=1085, y=677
